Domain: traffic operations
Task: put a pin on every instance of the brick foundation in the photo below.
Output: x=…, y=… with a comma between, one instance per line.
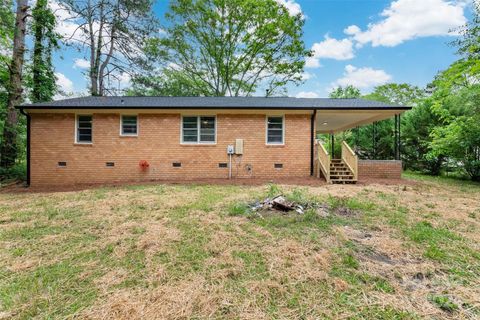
x=379, y=169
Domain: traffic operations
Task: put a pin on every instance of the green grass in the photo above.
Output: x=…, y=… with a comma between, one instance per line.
x=444, y=303
x=463, y=185
x=65, y=255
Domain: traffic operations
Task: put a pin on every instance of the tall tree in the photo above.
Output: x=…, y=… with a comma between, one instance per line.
x=456, y=103
x=347, y=92
x=8, y=148
x=114, y=33
x=232, y=47
x=42, y=80
x=7, y=19
x=468, y=43
x=397, y=93
x=7, y=26
x=392, y=93
x=167, y=83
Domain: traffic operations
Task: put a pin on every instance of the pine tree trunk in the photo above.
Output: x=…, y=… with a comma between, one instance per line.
x=8, y=149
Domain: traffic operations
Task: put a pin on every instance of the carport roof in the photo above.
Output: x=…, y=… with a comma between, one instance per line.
x=274, y=103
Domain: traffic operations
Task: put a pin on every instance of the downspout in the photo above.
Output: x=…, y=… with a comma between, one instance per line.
x=28, y=144
x=312, y=140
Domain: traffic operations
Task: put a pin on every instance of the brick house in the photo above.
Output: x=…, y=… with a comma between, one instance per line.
x=115, y=139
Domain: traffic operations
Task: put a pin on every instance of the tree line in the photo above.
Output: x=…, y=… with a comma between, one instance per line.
x=224, y=48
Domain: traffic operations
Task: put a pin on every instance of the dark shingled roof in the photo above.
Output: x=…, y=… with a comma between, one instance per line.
x=212, y=103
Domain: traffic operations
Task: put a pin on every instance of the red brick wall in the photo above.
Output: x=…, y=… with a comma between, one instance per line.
x=158, y=142
x=379, y=169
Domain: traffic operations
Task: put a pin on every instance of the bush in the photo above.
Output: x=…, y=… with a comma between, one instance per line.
x=17, y=172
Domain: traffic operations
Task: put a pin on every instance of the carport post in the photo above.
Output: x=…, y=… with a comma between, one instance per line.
x=397, y=136
x=374, y=140
x=332, y=146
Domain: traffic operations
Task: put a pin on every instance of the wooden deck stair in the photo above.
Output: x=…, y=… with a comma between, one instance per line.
x=344, y=170
x=340, y=173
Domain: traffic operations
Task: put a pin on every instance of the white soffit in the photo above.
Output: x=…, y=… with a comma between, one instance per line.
x=335, y=121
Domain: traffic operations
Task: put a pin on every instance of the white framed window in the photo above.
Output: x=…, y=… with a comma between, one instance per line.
x=275, y=130
x=128, y=125
x=84, y=129
x=199, y=129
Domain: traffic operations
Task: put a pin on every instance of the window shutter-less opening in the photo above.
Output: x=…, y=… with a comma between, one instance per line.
x=198, y=129
x=275, y=130
x=84, y=129
x=129, y=125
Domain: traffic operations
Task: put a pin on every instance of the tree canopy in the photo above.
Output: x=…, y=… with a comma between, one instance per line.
x=231, y=47
x=114, y=33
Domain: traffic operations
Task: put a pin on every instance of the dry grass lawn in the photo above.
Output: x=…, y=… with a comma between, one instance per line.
x=179, y=252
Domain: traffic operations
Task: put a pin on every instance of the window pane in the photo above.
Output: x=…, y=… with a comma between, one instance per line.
x=275, y=126
x=85, y=119
x=84, y=129
x=207, y=129
x=129, y=130
x=190, y=138
x=85, y=138
x=129, y=124
x=275, y=130
x=207, y=138
x=207, y=122
x=190, y=121
x=274, y=139
x=190, y=129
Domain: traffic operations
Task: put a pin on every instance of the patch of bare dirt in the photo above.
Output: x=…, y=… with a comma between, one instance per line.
x=413, y=278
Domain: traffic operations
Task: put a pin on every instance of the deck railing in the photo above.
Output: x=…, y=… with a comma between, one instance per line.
x=323, y=161
x=350, y=159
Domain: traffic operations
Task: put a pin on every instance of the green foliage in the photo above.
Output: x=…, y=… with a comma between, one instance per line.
x=7, y=21
x=233, y=47
x=116, y=49
x=41, y=80
x=393, y=93
x=273, y=190
x=455, y=102
x=457, y=99
x=238, y=209
x=170, y=83
x=469, y=43
x=7, y=25
x=417, y=126
x=347, y=92
x=403, y=94
x=17, y=172
x=349, y=261
x=444, y=303
x=362, y=138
